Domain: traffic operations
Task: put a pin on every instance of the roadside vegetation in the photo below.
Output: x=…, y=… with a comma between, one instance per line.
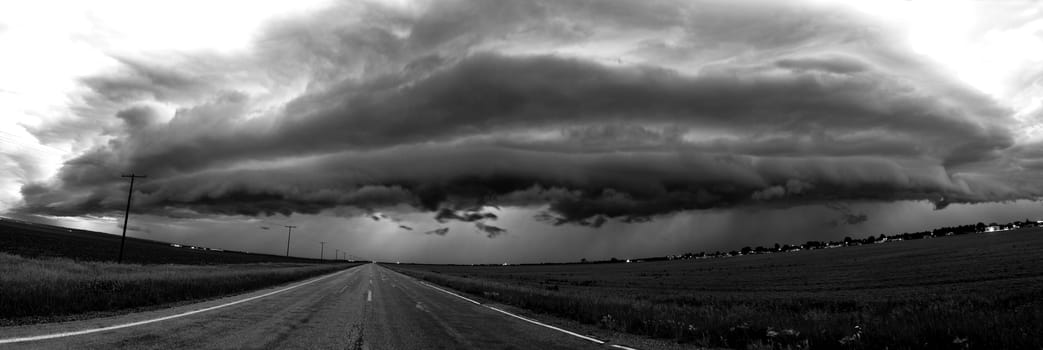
x=54, y=289
x=982, y=291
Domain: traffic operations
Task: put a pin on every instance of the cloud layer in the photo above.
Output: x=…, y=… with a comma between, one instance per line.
x=610, y=109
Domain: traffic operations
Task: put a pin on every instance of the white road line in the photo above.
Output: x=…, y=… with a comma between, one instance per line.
x=183, y=314
x=451, y=293
x=369, y=296
x=538, y=323
x=547, y=325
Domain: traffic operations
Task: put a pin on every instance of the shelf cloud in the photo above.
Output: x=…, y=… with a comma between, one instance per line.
x=594, y=110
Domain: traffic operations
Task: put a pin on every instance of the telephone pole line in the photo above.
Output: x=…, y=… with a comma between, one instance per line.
x=126, y=214
x=322, y=249
x=337, y=254
x=289, y=230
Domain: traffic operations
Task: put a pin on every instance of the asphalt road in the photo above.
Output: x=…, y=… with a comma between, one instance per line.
x=366, y=307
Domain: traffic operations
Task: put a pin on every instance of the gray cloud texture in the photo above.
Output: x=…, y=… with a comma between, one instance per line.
x=451, y=106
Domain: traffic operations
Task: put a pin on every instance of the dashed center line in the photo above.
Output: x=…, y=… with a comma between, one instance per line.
x=369, y=296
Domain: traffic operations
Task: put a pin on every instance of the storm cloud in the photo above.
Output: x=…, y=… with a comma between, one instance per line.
x=456, y=108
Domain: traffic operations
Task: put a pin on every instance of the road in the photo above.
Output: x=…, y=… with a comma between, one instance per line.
x=365, y=307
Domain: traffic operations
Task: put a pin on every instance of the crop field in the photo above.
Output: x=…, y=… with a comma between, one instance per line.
x=38, y=240
x=55, y=289
x=972, y=291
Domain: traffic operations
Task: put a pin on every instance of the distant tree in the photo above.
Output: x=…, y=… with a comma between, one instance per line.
x=777, y=247
x=746, y=250
x=583, y=260
x=613, y=259
x=882, y=237
x=980, y=227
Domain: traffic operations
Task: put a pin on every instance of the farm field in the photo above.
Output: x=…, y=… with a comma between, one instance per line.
x=34, y=290
x=39, y=240
x=971, y=291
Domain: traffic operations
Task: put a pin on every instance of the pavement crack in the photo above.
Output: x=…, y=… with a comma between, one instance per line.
x=359, y=343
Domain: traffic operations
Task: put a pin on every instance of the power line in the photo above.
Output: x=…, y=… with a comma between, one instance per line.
x=126, y=214
x=289, y=230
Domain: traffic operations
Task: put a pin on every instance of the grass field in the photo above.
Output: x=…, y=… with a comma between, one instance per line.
x=54, y=289
x=972, y=291
x=38, y=240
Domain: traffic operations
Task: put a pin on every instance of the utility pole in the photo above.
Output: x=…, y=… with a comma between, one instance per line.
x=289, y=230
x=322, y=249
x=126, y=215
x=337, y=251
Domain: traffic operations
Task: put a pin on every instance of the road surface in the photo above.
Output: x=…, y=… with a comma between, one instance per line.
x=365, y=307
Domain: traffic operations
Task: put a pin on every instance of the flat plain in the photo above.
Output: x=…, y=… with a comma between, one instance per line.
x=36, y=240
x=980, y=290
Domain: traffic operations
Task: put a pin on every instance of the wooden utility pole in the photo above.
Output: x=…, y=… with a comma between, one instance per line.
x=322, y=249
x=126, y=215
x=289, y=229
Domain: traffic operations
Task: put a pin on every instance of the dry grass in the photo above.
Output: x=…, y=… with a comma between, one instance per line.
x=976, y=291
x=38, y=290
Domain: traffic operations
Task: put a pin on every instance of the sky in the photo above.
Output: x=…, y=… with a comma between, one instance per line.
x=523, y=130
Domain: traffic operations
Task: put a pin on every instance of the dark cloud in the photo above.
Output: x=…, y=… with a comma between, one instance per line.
x=489, y=230
x=446, y=214
x=138, y=117
x=438, y=112
x=138, y=79
x=438, y=231
x=577, y=186
x=831, y=64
